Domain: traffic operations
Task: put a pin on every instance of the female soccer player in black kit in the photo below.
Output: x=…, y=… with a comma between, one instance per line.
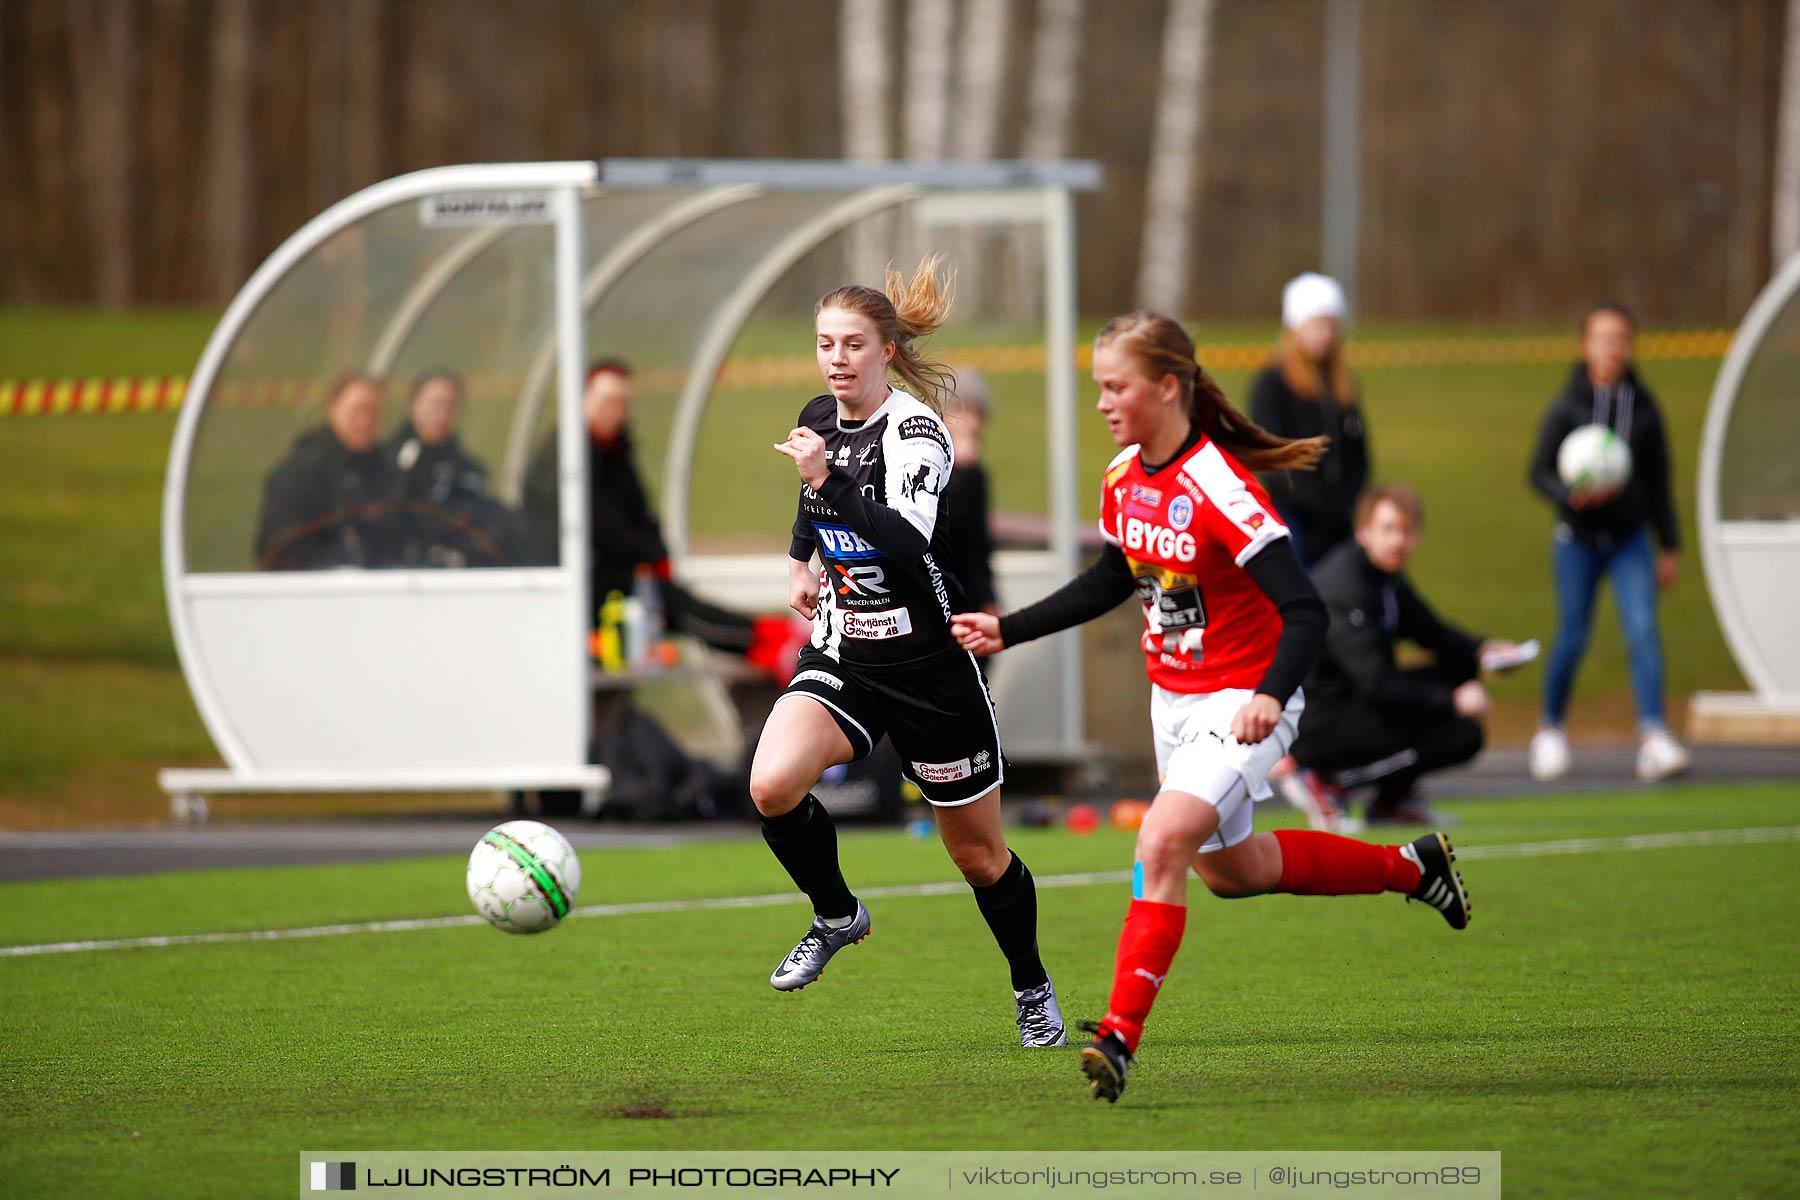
x=872, y=461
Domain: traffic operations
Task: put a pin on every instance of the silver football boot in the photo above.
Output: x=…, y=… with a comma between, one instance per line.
x=1040, y=1020
x=806, y=961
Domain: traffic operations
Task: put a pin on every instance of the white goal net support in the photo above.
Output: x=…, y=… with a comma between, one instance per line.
x=441, y=645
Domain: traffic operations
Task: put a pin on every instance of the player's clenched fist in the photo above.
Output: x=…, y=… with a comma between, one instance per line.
x=807, y=449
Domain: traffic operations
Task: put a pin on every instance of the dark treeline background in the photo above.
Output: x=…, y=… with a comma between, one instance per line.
x=1518, y=158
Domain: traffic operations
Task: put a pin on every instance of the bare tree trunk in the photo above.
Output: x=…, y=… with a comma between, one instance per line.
x=1053, y=79
x=1341, y=220
x=1745, y=265
x=1174, y=156
x=926, y=88
x=864, y=78
x=365, y=112
x=103, y=51
x=983, y=70
x=1785, y=225
x=230, y=150
x=327, y=118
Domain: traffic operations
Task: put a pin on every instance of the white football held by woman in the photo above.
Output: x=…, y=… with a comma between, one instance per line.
x=1594, y=457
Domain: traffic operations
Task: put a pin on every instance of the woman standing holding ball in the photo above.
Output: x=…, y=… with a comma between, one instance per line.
x=1604, y=532
x=873, y=461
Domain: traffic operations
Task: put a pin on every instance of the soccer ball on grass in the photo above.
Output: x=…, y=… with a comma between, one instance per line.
x=523, y=877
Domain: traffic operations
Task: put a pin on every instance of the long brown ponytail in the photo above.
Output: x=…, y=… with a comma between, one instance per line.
x=1159, y=346
x=908, y=309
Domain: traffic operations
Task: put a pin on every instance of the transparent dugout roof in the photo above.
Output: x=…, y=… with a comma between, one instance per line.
x=707, y=291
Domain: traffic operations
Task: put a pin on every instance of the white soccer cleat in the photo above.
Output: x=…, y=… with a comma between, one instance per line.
x=1549, y=757
x=1660, y=756
x=1040, y=1020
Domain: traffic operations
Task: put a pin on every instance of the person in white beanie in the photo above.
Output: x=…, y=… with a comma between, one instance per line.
x=1307, y=391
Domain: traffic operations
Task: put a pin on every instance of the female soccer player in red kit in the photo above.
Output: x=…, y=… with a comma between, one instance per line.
x=1231, y=627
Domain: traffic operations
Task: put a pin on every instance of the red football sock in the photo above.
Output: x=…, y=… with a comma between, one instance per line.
x=1324, y=864
x=1147, y=946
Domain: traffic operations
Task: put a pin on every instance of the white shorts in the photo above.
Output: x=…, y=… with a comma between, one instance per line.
x=1196, y=754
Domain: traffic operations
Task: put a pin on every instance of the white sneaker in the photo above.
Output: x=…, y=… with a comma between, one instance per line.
x=1550, y=755
x=1660, y=756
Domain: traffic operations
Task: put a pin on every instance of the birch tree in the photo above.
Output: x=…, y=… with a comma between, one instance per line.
x=1050, y=109
x=981, y=79
x=1785, y=204
x=926, y=88
x=1174, y=156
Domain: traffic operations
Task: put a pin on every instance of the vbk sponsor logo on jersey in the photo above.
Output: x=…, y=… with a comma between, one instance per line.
x=1159, y=540
x=838, y=542
x=945, y=772
x=877, y=626
x=1181, y=512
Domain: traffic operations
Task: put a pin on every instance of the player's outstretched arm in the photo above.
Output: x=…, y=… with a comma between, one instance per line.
x=977, y=632
x=1097, y=590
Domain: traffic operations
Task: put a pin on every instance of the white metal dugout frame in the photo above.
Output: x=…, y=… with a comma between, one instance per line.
x=1752, y=559
x=336, y=680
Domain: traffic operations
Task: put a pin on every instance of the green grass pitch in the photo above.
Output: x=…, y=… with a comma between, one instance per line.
x=1615, y=1022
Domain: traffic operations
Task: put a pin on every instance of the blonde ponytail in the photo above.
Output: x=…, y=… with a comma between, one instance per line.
x=907, y=310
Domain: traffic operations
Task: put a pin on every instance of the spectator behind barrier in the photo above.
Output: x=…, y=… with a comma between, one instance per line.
x=1367, y=720
x=1307, y=392
x=964, y=503
x=332, y=501
x=453, y=519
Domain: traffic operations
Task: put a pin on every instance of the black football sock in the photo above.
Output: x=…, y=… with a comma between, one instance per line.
x=805, y=842
x=1010, y=906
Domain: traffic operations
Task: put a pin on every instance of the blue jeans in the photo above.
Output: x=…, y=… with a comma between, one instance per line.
x=1577, y=568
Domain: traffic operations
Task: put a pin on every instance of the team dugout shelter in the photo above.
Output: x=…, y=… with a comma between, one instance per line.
x=468, y=669
x=1749, y=518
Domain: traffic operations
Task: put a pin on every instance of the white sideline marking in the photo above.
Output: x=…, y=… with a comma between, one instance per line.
x=1643, y=841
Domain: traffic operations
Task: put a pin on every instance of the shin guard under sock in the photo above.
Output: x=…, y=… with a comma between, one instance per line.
x=1325, y=864
x=1009, y=905
x=1147, y=946
x=804, y=840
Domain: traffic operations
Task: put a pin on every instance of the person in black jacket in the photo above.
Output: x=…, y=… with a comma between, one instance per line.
x=625, y=539
x=1308, y=392
x=1605, y=533
x=1368, y=721
x=334, y=500
x=963, y=506
x=455, y=519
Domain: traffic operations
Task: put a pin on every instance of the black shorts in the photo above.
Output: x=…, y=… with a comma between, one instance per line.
x=937, y=712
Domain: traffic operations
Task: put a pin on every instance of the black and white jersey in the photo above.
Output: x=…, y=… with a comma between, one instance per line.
x=884, y=598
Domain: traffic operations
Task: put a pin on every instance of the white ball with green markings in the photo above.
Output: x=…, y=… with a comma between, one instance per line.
x=523, y=876
x=1594, y=456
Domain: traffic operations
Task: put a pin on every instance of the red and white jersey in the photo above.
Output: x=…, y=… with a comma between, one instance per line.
x=1187, y=532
